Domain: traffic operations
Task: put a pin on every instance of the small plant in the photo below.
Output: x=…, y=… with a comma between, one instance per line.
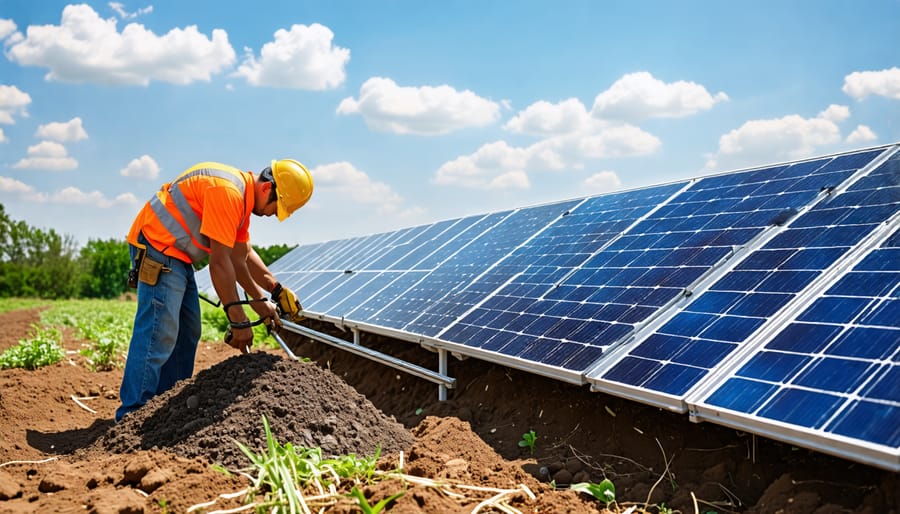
x=605, y=491
x=284, y=471
x=528, y=439
x=372, y=509
x=163, y=506
x=663, y=509
x=41, y=350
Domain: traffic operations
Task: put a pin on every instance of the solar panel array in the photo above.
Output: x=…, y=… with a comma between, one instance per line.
x=766, y=299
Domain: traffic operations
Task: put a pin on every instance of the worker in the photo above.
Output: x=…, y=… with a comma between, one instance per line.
x=205, y=211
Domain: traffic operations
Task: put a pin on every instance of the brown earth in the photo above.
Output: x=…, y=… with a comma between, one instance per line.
x=60, y=451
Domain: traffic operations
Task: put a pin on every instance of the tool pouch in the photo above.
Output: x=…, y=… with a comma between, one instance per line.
x=150, y=270
x=135, y=267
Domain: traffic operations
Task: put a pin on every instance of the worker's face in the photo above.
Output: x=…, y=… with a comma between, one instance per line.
x=263, y=206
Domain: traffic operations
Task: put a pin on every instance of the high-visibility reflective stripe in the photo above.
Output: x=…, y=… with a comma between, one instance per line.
x=184, y=237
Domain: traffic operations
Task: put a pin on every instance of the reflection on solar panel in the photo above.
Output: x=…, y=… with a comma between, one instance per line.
x=765, y=299
x=680, y=353
x=831, y=375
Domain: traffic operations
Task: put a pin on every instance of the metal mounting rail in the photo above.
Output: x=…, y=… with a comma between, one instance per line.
x=412, y=369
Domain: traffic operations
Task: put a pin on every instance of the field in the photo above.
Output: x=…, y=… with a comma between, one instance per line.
x=61, y=452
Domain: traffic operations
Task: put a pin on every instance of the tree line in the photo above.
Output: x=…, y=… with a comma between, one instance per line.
x=38, y=263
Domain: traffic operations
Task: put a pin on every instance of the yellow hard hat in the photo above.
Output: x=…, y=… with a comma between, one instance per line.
x=293, y=184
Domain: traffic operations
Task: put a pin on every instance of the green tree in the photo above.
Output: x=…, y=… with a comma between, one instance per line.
x=105, y=266
x=270, y=254
x=36, y=262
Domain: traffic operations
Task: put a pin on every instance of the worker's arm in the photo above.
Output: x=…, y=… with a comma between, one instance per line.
x=227, y=267
x=283, y=296
x=246, y=262
x=224, y=277
x=259, y=271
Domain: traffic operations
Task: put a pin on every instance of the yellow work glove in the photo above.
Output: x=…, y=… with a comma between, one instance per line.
x=287, y=302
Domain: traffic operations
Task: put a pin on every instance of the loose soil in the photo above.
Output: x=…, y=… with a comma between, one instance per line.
x=61, y=452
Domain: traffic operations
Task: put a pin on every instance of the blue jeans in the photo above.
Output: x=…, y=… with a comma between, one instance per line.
x=165, y=336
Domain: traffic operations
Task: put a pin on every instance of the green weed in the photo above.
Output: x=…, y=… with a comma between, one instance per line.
x=41, y=350
x=605, y=491
x=528, y=440
x=284, y=471
x=372, y=509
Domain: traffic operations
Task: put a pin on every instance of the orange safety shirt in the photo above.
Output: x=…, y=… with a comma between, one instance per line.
x=212, y=201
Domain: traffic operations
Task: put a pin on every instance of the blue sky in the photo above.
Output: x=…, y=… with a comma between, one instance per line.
x=410, y=112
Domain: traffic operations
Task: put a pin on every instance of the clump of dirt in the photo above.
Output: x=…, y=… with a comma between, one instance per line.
x=303, y=403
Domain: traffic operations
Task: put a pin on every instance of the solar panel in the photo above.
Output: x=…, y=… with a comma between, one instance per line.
x=831, y=375
x=678, y=355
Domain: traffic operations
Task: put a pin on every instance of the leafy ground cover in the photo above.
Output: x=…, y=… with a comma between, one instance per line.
x=494, y=446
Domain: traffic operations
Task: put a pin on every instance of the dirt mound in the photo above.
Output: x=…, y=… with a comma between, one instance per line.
x=304, y=404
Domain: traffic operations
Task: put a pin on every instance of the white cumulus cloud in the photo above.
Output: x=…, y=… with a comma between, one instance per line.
x=47, y=155
x=638, y=96
x=835, y=113
x=861, y=134
x=11, y=185
x=425, y=110
x=87, y=48
x=73, y=196
x=300, y=58
x=71, y=130
x=570, y=137
x=861, y=84
x=7, y=28
x=543, y=118
x=788, y=138
x=66, y=196
x=498, y=165
x=603, y=181
x=357, y=186
x=143, y=167
x=12, y=101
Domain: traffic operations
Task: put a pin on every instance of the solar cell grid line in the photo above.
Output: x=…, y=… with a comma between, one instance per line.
x=342, y=250
x=339, y=290
x=365, y=295
x=350, y=252
x=305, y=257
x=378, y=292
x=365, y=305
x=652, y=264
x=666, y=362
x=416, y=259
x=362, y=284
x=416, y=312
x=369, y=249
x=308, y=285
x=830, y=379
x=399, y=249
x=311, y=257
x=511, y=293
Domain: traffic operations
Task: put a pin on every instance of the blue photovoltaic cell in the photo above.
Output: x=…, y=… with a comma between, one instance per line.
x=841, y=353
x=357, y=286
x=429, y=307
x=511, y=303
x=406, y=303
x=734, y=307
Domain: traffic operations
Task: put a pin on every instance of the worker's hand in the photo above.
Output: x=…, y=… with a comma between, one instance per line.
x=287, y=302
x=239, y=338
x=266, y=310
